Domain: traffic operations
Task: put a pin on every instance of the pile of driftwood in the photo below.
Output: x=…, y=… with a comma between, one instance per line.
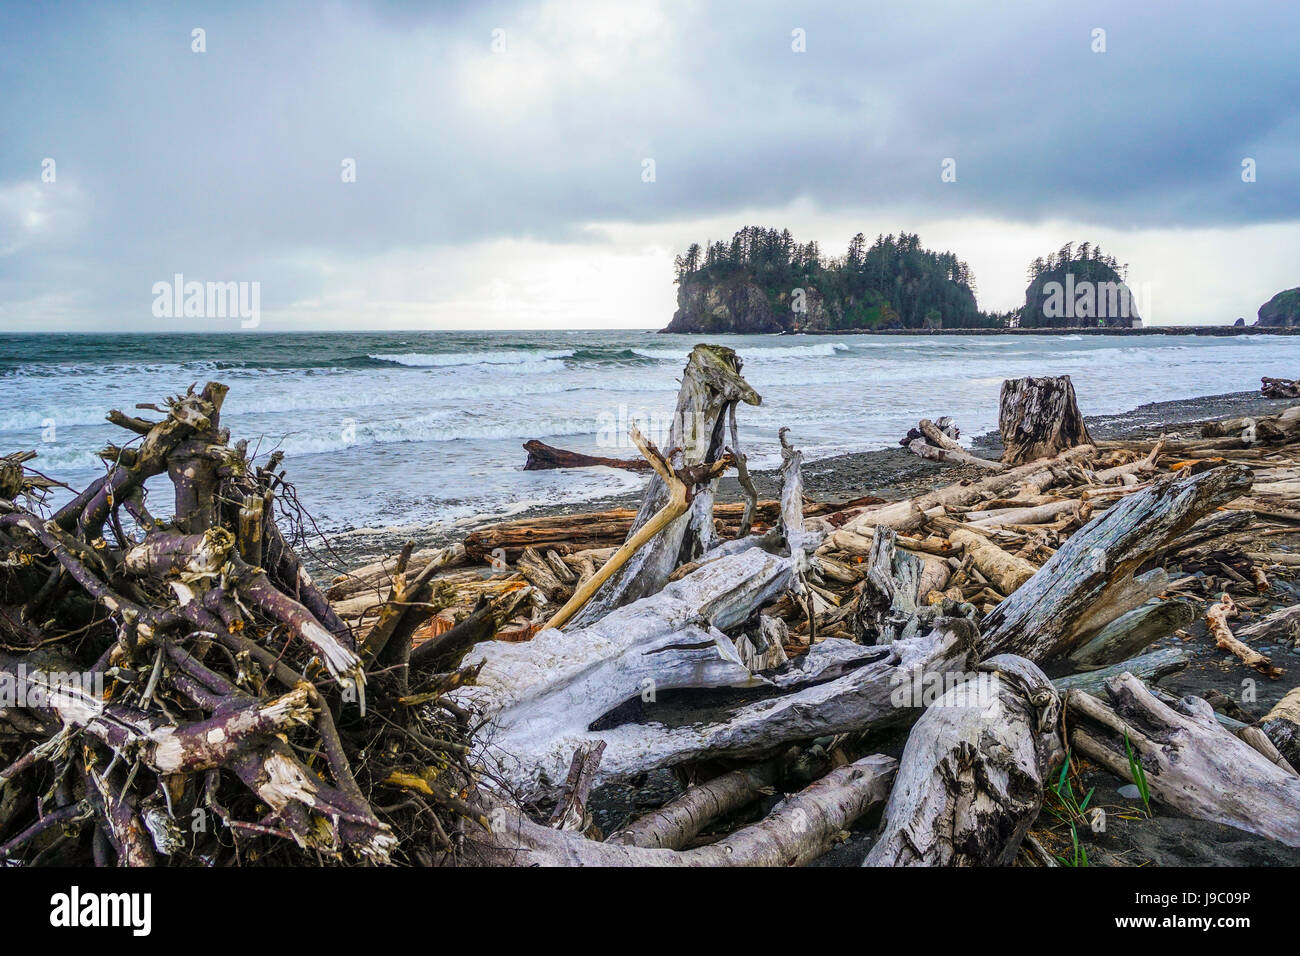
x=179, y=690
x=752, y=647
x=1279, y=387
x=463, y=704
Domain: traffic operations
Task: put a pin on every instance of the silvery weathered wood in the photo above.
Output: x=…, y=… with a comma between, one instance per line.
x=1129, y=633
x=1148, y=667
x=711, y=384
x=1042, y=619
x=797, y=831
x=971, y=778
x=542, y=697
x=890, y=591
x=1191, y=762
x=543, y=691
x=902, y=515
x=674, y=825
x=1281, y=625
x=1282, y=725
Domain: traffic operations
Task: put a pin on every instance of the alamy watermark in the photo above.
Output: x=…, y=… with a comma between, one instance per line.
x=1087, y=299
x=36, y=688
x=967, y=690
x=179, y=299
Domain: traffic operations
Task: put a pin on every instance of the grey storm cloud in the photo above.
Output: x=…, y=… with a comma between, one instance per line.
x=227, y=162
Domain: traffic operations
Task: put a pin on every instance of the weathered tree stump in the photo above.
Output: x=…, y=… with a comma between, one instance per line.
x=711, y=385
x=1039, y=418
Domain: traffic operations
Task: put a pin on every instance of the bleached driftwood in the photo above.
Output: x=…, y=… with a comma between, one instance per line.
x=1191, y=762
x=1281, y=625
x=949, y=456
x=674, y=825
x=682, y=485
x=971, y=778
x=711, y=385
x=1282, y=725
x=904, y=515
x=1069, y=597
x=1149, y=667
x=543, y=697
x=1005, y=570
x=890, y=593
x=1129, y=633
x=797, y=831
x=1036, y=514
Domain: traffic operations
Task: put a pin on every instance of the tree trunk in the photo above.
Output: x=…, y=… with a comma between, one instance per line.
x=612, y=681
x=1131, y=632
x=1282, y=725
x=711, y=384
x=971, y=778
x=542, y=457
x=797, y=831
x=1039, y=418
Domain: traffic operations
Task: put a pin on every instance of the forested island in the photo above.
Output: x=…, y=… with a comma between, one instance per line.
x=1073, y=288
x=766, y=281
x=763, y=280
x=1282, y=311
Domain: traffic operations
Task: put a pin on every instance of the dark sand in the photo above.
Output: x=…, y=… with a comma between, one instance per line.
x=1166, y=839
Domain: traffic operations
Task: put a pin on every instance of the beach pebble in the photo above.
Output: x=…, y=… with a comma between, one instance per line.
x=1130, y=792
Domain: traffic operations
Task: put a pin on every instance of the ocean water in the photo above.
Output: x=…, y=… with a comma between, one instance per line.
x=413, y=429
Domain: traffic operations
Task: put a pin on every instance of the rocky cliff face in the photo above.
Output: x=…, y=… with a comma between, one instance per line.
x=1281, y=311
x=740, y=305
x=1080, y=294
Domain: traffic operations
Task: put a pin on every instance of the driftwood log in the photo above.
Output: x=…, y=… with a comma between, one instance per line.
x=1190, y=761
x=1131, y=632
x=562, y=690
x=1039, y=418
x=543, y=457
x=1090, y=581
x=711, y=386
x=797, y=831
x=1279, y=387
x=1282, y=725
x=971, y=778
x=854, y=535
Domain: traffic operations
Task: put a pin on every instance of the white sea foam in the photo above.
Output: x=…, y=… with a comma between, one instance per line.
x=414, y=428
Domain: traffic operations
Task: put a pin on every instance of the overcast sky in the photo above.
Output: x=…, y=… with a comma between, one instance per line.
x=500, y=151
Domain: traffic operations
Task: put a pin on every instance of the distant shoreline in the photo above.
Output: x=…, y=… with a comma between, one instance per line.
x=1224, y=330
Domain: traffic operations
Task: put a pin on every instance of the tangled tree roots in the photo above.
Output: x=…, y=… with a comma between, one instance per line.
x=182, y=691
